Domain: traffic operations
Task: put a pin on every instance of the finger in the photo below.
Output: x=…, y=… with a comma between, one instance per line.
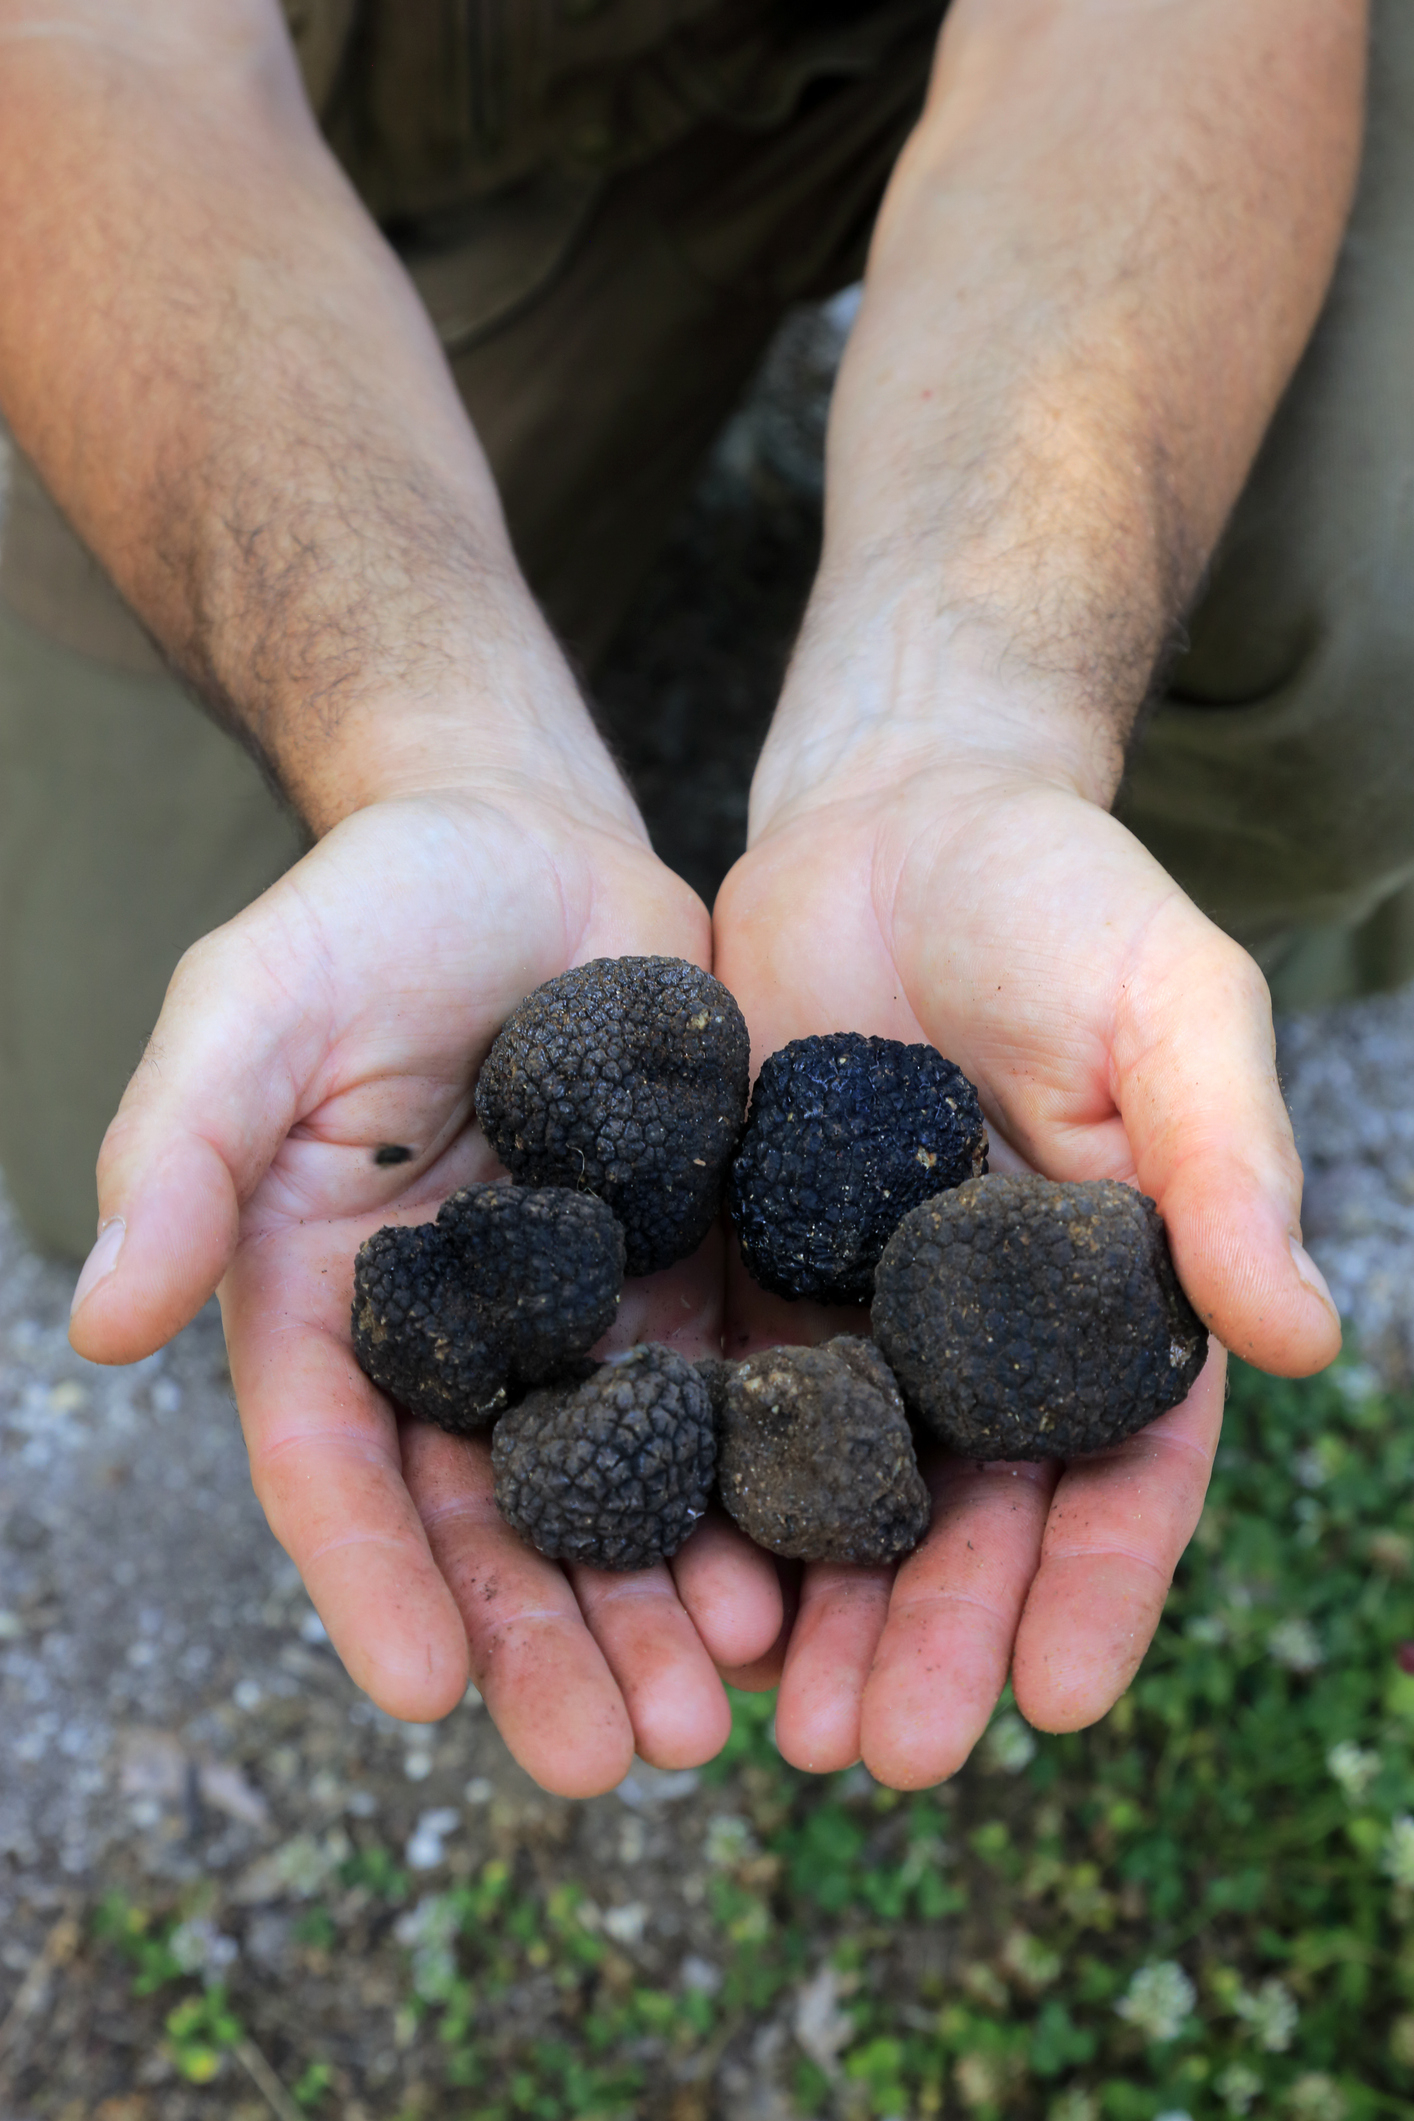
x=326, y=1468
x=1212, y=1144
x=1117, y=1526
x=543, y=1679
x=764, y=1674
x=679, y=1712
x=842, y=1615
x=942, y=1660
x=730, y=1590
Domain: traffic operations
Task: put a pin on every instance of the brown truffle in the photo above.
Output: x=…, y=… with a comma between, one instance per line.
x=1025, y=1318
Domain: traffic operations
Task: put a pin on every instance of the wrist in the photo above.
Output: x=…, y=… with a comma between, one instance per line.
x=494, y=709
x=884, y=686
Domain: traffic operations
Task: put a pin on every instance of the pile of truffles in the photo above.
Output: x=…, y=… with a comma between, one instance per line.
x=1012, y=1317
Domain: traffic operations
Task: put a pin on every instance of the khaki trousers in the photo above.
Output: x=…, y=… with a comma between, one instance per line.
x=600, y=328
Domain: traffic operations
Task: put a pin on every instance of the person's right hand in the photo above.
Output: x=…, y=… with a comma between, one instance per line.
x=349, y=1008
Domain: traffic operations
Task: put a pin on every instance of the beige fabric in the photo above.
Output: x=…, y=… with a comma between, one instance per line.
x=128, y=827
x=1277, y=780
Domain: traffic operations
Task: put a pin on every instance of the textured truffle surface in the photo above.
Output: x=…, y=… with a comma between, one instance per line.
x=845, y=1135
x=614, y=1472
x=816, y=1460
x=507, y=1285
x=1030, y=1319
x=625, y=1078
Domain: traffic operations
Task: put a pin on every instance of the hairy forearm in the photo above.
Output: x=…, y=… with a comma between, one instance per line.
x=228, y=383
x=1099, y=259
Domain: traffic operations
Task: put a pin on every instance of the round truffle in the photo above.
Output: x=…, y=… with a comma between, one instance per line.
x=507, y=1285
x=1030, y=1319
x=845, y=1135
x=816, y=1460
x=625, y=1078
x=615, y=1472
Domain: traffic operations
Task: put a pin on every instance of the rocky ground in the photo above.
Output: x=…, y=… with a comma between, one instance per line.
x=173, y=1726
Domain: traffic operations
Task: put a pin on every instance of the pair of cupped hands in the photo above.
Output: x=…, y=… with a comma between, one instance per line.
x=973, y=901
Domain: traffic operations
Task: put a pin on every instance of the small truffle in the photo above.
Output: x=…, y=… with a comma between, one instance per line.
x=845, y=1135
x=816, y=1460
x=615, y=1472
x=504, y=1288
x=1030, y=1319
x=625, y=1078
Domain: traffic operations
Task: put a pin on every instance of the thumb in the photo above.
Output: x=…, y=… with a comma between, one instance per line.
x=1195, y=1081
x=213, y=1098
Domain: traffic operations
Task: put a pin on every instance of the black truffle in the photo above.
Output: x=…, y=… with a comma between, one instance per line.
x=506, y=1286
x=816, y=1460
x=845, y=1135
x=613, y=1473
x=1030, y=1319
x=625, y=1078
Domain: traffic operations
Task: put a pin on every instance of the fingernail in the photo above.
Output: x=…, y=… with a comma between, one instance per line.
x=1311, y=1274
x=101, y=1260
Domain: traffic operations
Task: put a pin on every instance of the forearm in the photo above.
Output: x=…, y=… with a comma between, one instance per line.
x=1099, y=259
x=229, y=385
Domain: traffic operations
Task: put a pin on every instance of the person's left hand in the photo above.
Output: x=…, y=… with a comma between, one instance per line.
x=1112, y=1032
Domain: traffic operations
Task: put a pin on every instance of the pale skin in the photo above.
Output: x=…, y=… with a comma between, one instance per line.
x=227, y=383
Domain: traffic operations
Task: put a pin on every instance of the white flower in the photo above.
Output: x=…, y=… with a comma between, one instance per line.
x=1237, y=2087
x=1397, y=1855
x=729, y=1841
x=1295, y=1644
x=1174, y=2113
x=1272, y=2015
x=1317, y=2097
x=1158, y=2000
x=1209, y=1628
x=1073, y=2105
x=1010, y=1743
x=1356, y=1382
x=424, y=1849
x=1309, y=1468
x=430, y=1930
x=1353, y=1767
x=1034, y=1964
x=626, y=1924
x=820, y=2026
x=199, y=1948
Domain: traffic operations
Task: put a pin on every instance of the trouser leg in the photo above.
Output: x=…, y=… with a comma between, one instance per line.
x=1276, y=780
x=129, y=826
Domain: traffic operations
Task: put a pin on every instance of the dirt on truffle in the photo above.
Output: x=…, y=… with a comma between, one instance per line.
x=815, y=1456
x=505, y=1287
x=1027, y=1318
x=614, y=1472
x=845, y=1135
x=625, y=1078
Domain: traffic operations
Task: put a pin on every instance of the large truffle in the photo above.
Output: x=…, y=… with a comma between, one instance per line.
x=845, y=1135
x=1030, y=1319
x=614, y=1472
x=451, y=1317
x=816, y=1460
x=625, y=1078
